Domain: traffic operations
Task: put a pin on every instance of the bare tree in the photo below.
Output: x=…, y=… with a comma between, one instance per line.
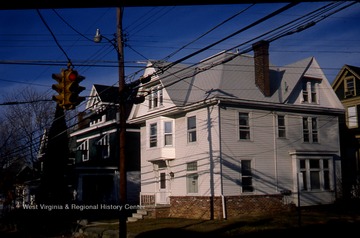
x=24, y=122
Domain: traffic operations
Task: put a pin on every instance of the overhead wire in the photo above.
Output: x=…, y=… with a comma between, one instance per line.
x=53, y=35
x=207, y=32
x=213, y=64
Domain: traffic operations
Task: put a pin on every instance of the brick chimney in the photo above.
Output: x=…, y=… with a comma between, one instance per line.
x=261, y=63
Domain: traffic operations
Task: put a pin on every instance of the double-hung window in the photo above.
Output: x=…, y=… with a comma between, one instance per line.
x=314, y=129
x=244, y=126
x=352, y=119
x=281, y=126
x=310, y=129
x=155, y=97
x=246, y=176
x=349, y=87
x=153, y=135
x=168, y=133
x=191, y=128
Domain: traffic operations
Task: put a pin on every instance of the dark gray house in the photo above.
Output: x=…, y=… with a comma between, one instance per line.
x=96, y=151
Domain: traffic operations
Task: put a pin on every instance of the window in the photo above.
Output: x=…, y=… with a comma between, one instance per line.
x=153, y=135
x=155, y=97
x=352, y=120
x=315, y=174
x=244, y=126
x=314, y=130
x=103, y=146
x=309, y=90
x=168, y=134
x=305, y=91
x=310, y=129
x=84, y=150
x=191, y=129
x=281, y=126
x=349, y=87
x=246, y=176
x=306, y=135
x=192, y=178
x=162, y=180
x=192, y=166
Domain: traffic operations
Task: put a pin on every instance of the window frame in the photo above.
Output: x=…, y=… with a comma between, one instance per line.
x=104, y=144
x=309, y=91
x=246, y=174
x=281, y=129
x=84, y=149
x=315, y=178
x=153, y=137
x=349, y=91
x=191, y=132
x=155, y=97
x=246, y=128
x=192, y=177
x=310, y=131
x=352, y=120
x=168, y=134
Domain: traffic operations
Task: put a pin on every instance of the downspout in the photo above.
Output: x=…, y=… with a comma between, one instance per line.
x=221, y=164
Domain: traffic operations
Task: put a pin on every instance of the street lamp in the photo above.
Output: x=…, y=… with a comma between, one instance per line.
x=117, y=43
x=98, y=36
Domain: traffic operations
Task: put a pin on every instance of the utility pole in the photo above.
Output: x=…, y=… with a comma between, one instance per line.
x=117, y=43
x=122, y=124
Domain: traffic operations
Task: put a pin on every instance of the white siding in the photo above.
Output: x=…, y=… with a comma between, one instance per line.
x=272, y=166
x=197, y=151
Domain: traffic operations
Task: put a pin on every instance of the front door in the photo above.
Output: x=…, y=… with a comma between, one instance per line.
x=163, y=193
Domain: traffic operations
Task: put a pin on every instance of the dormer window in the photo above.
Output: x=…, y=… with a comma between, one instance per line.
x=310, y=90
x=349, y=87
x=155, y=97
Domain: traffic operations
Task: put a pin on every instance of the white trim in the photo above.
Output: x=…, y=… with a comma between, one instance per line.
x=96, y=135
x=79, y=132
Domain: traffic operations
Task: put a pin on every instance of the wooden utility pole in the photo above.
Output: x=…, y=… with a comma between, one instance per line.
x=122, y=125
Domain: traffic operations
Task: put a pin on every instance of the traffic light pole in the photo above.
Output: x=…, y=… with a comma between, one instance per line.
x=122, y=125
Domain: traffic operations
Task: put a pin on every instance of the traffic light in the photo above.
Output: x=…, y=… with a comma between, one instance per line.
x=59, y=88
x=72, y=89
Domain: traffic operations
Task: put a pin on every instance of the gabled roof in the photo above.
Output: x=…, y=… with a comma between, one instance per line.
x=234, y=80
x=103, y=94
x=355, y=70
x=352, y=69
x=107, y=93
x=230, y=77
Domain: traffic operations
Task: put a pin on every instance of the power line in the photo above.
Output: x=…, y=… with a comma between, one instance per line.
x=207, y=32
x=52, y=34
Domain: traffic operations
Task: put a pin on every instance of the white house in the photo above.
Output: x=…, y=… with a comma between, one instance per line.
x=236, y=135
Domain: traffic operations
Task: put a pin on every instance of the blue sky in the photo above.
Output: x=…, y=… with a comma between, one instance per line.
x=156, y=32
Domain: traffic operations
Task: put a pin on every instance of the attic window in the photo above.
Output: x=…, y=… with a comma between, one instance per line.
x=310, y=90
x=349, y=87
x=155, y=97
